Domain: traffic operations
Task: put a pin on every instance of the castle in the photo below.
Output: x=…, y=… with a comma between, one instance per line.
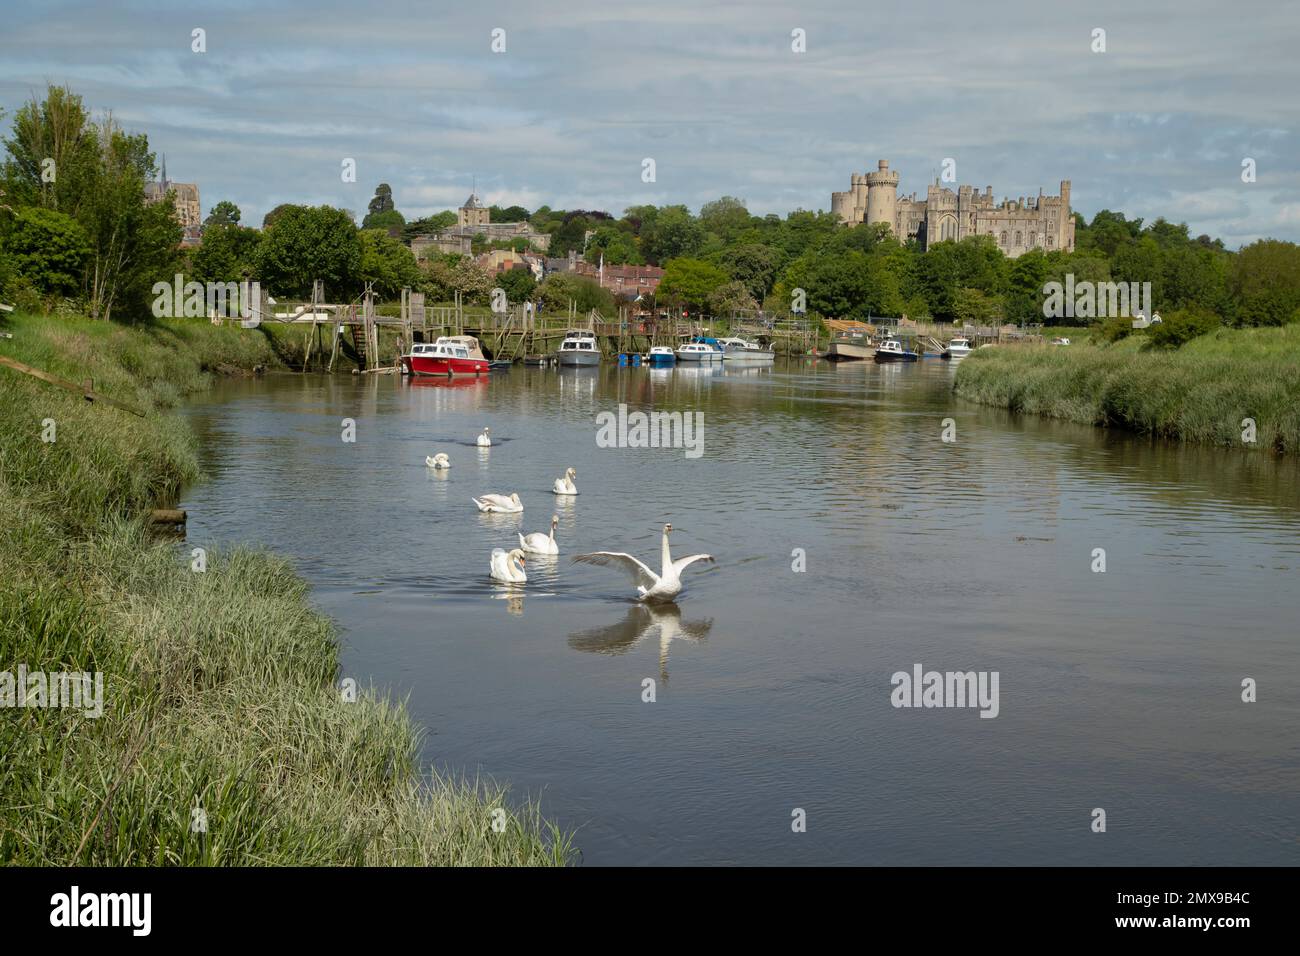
x=186, y=198
x=474, y=219
x=1015, y=225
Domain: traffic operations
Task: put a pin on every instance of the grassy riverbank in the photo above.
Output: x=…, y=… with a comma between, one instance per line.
x=220, y=687
x=1200, y=392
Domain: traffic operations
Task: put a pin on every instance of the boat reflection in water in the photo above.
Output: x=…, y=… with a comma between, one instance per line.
x=446, y=381
x=636, y=626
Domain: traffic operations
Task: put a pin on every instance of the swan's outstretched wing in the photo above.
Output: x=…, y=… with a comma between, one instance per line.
x=680, y=564
x=617, y=559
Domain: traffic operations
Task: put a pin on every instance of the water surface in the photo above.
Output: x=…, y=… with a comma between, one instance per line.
x=1119, y=690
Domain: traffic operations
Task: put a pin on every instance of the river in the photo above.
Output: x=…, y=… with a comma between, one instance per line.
x=772, y=738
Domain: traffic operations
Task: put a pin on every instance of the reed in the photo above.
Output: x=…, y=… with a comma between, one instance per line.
x=1201, y=392
x=220, y=687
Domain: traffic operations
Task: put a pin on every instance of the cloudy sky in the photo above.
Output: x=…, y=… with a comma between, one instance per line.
x=1158, y=124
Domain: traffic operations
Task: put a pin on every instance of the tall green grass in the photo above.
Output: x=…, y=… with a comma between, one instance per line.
x=1201, y=392
x=220, y=686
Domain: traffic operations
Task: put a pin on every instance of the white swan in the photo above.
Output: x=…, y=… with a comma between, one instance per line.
x=438, y=461
x=651, y=587
x=565, y=485
x=539, y=543
x=483, y=440
x=508, y=567
x=500, y=504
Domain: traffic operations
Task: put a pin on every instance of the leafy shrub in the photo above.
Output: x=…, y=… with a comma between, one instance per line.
x=1180, y=327
x=1112, y=330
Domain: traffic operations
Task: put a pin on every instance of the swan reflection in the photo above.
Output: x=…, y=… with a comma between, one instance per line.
x=637, y=624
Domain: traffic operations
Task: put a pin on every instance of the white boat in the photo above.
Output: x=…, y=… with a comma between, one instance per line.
x=662, y=355
x=957, y=348
x=700, y=351
x=851, y=345
x=579, y=348
x=739, y=350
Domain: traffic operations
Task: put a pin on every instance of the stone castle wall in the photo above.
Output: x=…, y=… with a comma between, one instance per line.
x=1016, y=225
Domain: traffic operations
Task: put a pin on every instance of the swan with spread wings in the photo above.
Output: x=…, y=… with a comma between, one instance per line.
x=651, y=588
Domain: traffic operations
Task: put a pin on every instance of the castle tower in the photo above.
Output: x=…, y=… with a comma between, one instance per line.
x=882, y=196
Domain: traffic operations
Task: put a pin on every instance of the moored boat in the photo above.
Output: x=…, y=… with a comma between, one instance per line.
x=450, y=355
x=959, y=347
x=891, y=350
x=699, y=349
x=579, y=348
x=662, y=355
x=851, y=345
x=739, y=350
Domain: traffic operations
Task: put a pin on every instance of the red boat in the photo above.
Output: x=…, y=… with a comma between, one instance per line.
x=450, y=355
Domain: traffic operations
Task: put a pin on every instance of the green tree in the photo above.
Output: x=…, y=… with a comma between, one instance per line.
x=46, y=249
x=560, y=288
x=730, y=298
x=508, y=214
x=691, y=282
x=1264, y=283
x=975, y=307
x=518, y=284
x=381, y=213
x=674, y=234
x=428, y=225
x=305, y=243
x=725, y=217
x=227, y=253
x=755, y=264
x=973, y=263
x=1023, y=301
x=618, y=246
x=133, y=243
x=1141, y=261
x=52, y=154
x=387, y=263
x=224, y=213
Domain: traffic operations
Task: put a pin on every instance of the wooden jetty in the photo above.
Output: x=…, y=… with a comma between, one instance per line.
x=519, y=334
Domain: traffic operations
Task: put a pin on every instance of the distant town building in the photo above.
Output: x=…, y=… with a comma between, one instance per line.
x=473, y=213
x=625, y=281
x=1016, y=225
x=474, y=219
x=189, y=213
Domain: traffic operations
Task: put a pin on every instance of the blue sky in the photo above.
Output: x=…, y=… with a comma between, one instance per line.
x=1157, y=125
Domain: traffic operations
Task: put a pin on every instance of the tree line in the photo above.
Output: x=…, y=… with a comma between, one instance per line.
x=77, y=233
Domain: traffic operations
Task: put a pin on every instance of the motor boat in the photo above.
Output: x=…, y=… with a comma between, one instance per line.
x=851, y=345
x=700, y=349
x=662, y=355
x=958, y=348
x=891, y=350
x=449, y=355
x=579, y=348
x=739, y=350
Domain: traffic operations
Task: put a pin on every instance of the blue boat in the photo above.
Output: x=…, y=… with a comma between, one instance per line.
x=662, y=355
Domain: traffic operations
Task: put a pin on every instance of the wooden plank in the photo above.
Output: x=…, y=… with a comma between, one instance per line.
x=85, y=391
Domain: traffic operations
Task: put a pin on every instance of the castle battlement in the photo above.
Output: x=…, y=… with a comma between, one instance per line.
x=1016, y=225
